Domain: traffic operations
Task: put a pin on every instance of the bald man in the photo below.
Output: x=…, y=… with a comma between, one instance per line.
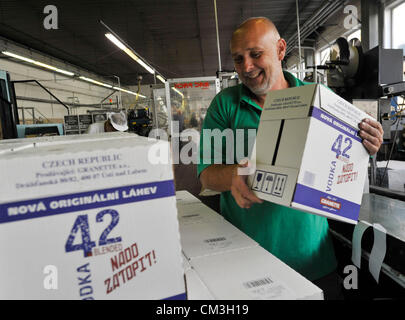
x=299, y=239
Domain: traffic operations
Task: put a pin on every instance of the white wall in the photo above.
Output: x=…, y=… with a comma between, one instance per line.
x=63, y=87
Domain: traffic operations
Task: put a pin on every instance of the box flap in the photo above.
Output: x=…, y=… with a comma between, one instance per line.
x=288, y=103
x=329, y=101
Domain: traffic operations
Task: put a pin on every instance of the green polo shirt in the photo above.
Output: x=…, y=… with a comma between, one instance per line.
x=299, y=239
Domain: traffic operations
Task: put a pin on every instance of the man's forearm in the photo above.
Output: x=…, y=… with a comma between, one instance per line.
x=218, y=177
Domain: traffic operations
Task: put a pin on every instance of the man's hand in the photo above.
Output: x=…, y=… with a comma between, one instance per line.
x=243, y=196
x=372, y=133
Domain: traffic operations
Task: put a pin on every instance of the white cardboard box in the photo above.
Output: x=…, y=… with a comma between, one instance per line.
x=11, y=145
x=208, y=234
x=196, y=289
x=308, y=153
x=205, y=232
x=196, y=212
x=185, y=197
x=84, y=220
x=252, y=274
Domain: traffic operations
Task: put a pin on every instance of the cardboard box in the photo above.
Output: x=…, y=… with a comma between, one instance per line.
x=185, y=197
x=204, y=232
x=80, y=138
x=186, y=264
x=11, y=145
x=84, y=220
x=252, y=274
x=196, y=213
x=308, y=153
x=196, y=289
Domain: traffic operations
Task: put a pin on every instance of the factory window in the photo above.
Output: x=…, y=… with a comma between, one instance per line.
x=398, y=27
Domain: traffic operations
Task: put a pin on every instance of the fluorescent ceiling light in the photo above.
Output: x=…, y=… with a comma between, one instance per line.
x=114, y=40
x=96, y=82
x=174, y=89
x=130, y=92
x=128, y=51
x=161, y=78
x=16, y=56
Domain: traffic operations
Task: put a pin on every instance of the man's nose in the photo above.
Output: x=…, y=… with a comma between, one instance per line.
x=247, y=65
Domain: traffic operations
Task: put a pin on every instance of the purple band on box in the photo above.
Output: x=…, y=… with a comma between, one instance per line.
x=326, y=202
x=181, y=296
x=42, y=207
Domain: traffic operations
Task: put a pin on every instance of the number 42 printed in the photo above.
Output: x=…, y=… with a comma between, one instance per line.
x=82, y=223
x=337, y=146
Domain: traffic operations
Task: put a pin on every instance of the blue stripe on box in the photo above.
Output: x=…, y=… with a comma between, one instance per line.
x=335, y=123
x=326, y=202
x=181, y=296
x=42, y=207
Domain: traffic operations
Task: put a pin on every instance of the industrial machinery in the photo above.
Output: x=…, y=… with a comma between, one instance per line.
x=355, y=74
x=140, y=121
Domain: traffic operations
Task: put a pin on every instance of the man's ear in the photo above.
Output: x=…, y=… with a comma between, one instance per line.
x=281, y=49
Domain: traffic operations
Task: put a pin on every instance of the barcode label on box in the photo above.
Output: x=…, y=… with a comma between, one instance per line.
x=268, y=289
x=215, y=240
x=257, y=283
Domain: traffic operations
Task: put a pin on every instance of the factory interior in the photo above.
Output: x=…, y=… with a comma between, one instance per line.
x=156, y=71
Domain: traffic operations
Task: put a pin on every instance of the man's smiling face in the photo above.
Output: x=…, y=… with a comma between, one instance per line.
x=255, y=50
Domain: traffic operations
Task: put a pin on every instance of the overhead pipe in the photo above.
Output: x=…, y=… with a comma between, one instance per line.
x=324, y=11
x=318, y=18
x=79, y=105
x=311, y=25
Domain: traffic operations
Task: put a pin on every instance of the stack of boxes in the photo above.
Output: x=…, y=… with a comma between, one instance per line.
x=222, y=262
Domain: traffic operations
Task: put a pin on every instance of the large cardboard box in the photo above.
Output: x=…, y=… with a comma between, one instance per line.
x=12, y=145
x=221, y=262
x=184, y=197
x=198, y=212
x=91, y=219
x=252, y=274
x=204, y=232
x=308, y=153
